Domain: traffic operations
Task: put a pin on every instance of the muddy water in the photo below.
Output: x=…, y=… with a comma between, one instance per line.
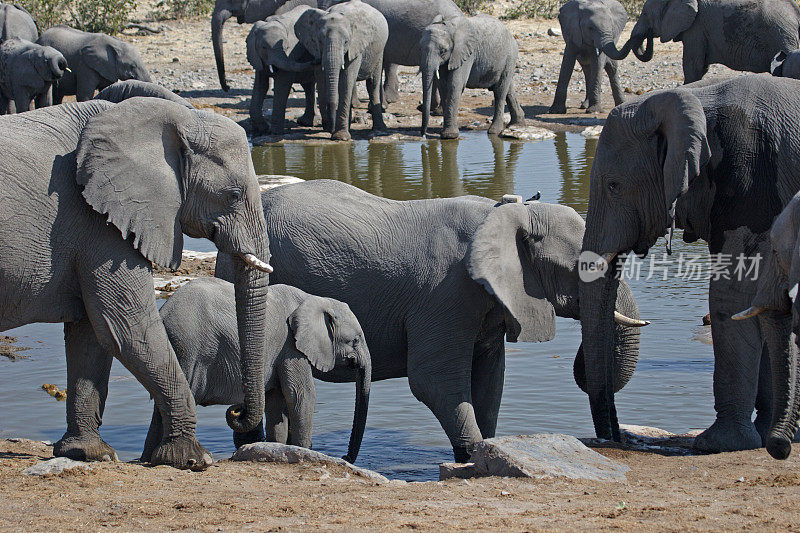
x=671, y=388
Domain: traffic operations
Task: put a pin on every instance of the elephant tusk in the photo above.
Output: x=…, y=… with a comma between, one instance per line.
x=793, y=292
x=257, y=263
x=623, y=320
x=749, y=312
x=68, y=69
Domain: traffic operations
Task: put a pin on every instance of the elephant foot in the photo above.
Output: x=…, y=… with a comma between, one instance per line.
x=495, y=129
x=390, y=95
x=450, y=133
x=461, y=454
x=558, y=109
x=584, y=104
x=182, y=452
x=258, y=434
x=84, y=448
x=729, y=436
x=521, y=122
x=306, y=120
x=437, y=111
x=342, y=135
x=275, y=129
x=596, y=108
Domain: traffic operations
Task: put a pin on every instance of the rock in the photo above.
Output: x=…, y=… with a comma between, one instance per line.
x=457, y=471
x=527, y=133
x=191, y=255
x=511, y=199
x=537, y=75
x=546, y=455
x=270, y=181
x=592, y=132
x=273, y=452
x=164, y=287
x=554, y=32
x=54, y=466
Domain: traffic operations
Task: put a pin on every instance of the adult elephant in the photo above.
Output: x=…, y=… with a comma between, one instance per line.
x=100, y=195
x=707, y=157
x=740, y=34
x=437, y=286
x=15, y=21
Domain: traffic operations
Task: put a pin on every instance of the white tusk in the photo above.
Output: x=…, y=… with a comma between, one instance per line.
x=793, y=292
x=255, y=262
x=749, y=312
x=623, y=320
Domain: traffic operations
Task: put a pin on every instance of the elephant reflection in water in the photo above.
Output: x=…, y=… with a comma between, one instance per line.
x=574, y=179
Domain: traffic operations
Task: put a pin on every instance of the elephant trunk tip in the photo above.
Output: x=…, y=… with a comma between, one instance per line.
x=237, y=418
x=779, y=447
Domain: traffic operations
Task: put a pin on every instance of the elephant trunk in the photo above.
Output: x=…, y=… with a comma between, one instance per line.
x=251, y=279
x=428, y=73
x=626, y=344
x=218, y=19
x=644, y=54
x=610, y=50
x=142, y=74
x=57, y=66
x=597, y=303
x=362, y=405
x=783, y=352
x=333, y=62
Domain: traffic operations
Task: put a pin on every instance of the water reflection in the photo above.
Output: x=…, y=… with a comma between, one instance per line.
x=574, y=175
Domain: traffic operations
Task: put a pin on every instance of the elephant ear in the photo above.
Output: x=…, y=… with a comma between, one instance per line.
x=677, y=18
x=253, y=48
x=499, y=260
x=308, y=30
x=101, y=56
x=465, y=42
x=131, y=163
x=362, y=31
x=313, y=324
x=569, y=18
x=678, y=117
x=776, y=67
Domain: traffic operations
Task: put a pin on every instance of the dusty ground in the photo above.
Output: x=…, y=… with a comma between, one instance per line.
x=744, y=490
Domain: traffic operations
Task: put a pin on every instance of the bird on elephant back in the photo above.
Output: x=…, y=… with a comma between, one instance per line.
x=103, y=193
x=709, y=158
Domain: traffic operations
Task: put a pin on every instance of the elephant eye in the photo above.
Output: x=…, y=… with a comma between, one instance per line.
x=613, y=187
x=234, y=195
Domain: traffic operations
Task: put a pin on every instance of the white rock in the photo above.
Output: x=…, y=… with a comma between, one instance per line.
x=54, y=466
x=592, y=132
x=270, y=181
x=457, y=471
x=527, y=133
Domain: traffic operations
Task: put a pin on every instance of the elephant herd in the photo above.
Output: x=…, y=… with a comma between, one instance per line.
x=320, y=280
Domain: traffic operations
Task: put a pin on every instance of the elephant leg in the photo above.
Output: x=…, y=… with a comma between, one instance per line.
x=453, y=85
x=281, y=89
x=22, y=101
x=375, y=107
x=594, y=88
x=439, y=370
x=88, y=369
x=322, y=102
x=154, y=435
x=436, y=97
x=297, y=385
x=4, y=104
x=277, y=424
x=559, y=105
x=488, y=376
x=44, y=99
x=347, y=82
x=498, y=123
x=517, y=114
x=308, y=116
x=737, y=357
x=257, y=434
x=260, y=86
x=123, y=314
x=58, y=94
x=764, y=396
x=694, y=66
x=613, y=79
x=391, y=88
x=586, y=68
x=86, y=86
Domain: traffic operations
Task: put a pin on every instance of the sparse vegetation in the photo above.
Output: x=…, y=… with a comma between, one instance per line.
x=471, y=7
x=549, y=9
x=107, y=16
x=173, y=9
x=46, y=13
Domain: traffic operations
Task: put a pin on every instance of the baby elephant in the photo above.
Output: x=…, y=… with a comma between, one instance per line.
x=786, y=64
x=308, y=337
x=27, y=72
x=475, y=52
x=95, y=59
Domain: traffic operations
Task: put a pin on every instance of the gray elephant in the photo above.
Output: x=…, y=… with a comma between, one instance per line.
x=347, y=40
x=100, y=195
x=740, y=34
x=122, y=90
x=317, y=337
x=587, y=26
x=274, y=49
x=437, y=286
x=15, y=21
x=786, y=64
x=95, y=60
x=675, y=159
x=474, y=52
x=27, y=73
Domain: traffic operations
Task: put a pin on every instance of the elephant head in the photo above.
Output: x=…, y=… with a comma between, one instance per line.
x=114, y=60
x=526, y=255
x=273, y=42
x=786, y=64
x=445, y=41
x=158, y=170
x=660, y=18
x=778, y=308
x=334, y=37
x=328, y=333
x=50, y=65
x=650, y=152
x=595, y=24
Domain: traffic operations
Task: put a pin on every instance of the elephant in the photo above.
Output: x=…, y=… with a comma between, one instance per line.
x=778, y=308
x=122, y=90
x=587, y=26
x=347, y=40
x=27, y=72
x=474, y=52
x=437, y=285
x=318, y=336
x=96, y=61
x=100, y=195
x=15, y=21
x=786, y=64
x=740, y=34
x=706, y=157
x=273, y=45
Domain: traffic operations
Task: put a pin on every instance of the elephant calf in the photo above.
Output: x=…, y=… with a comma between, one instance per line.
x=311, y=337
x=27, y=72
x=474, y=52
x=96, y=61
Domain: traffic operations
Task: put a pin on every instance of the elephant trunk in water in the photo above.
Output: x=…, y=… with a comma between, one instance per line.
x=332, y=64
x=362, y=405
x=251, y=278
x=217, y=21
